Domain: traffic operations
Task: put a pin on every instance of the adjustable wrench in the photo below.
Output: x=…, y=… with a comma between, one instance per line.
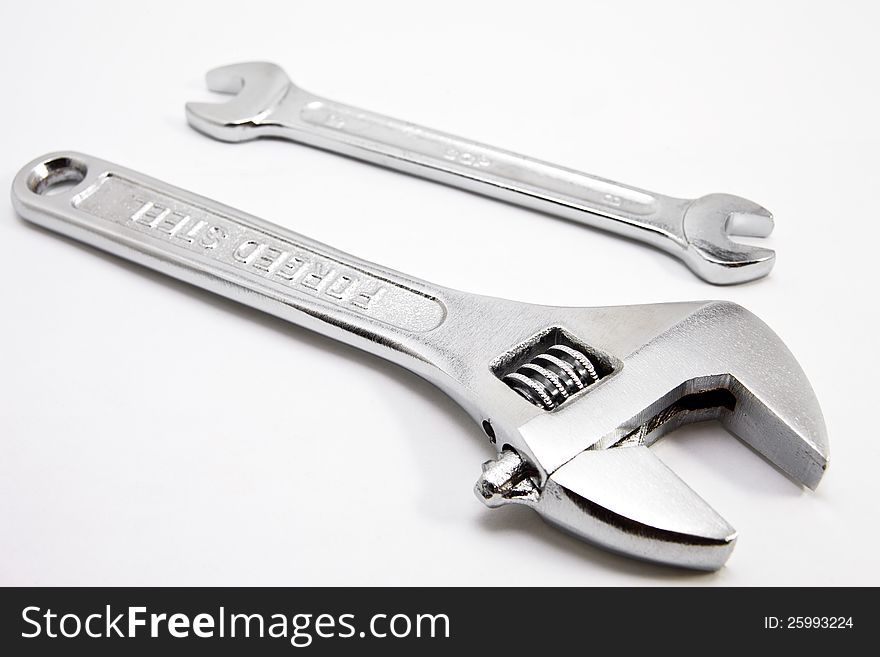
x=571, y=397
x=697, y=231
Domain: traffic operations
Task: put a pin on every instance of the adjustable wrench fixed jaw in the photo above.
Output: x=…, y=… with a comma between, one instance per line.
x=571, y=398
x=268, y=104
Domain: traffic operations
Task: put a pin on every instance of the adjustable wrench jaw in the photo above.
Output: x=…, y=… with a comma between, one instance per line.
x=585, y=465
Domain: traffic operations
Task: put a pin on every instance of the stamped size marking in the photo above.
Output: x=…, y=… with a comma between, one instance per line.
x=468, y=159
x=390, y=132
x=341, y=118
x=275, y=260
x=612, y=200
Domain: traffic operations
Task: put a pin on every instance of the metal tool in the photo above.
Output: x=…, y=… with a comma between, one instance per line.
x=697, y=231
x=571, y=397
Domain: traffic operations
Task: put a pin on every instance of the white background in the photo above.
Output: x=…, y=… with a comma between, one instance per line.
x=151, y=433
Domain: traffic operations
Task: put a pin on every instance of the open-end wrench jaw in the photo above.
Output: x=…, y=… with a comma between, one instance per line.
x=707, y=225
x=257, y=88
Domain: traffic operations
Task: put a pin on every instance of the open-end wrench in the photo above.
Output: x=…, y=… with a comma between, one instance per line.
x=268, y=104
x=571, y=397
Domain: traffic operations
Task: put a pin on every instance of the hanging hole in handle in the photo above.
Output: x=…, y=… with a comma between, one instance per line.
x=56, y=176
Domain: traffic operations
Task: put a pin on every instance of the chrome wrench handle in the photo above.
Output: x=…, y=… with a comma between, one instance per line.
x=231, y=253
x=478, y=167
x=696, y=231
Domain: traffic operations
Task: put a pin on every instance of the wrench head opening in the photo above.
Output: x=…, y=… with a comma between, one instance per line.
x=258, y=88
x=586, y=465
x=708, y=223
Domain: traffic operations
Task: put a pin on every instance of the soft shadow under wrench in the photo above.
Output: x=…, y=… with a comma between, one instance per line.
x=571, y=397
x=697, y=231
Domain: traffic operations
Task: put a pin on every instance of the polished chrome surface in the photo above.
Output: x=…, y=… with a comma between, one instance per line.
x=584, y=465
x=268, y=104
